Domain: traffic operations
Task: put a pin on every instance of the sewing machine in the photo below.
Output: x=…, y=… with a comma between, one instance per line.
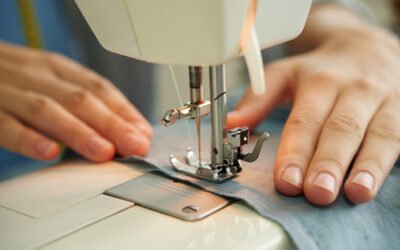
x=200, y=34
x=89, y=206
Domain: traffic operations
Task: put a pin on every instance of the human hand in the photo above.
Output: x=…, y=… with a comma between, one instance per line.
x=46, y=98
x=346, y=100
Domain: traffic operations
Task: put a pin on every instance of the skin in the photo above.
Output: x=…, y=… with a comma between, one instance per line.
x=345, y=92
x=47, y=99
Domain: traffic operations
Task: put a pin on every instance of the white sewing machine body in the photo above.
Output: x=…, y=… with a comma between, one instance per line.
x=63, y=207
x=190, y=32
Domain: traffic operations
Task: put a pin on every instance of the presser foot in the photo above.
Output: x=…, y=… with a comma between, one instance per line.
x=202, y=170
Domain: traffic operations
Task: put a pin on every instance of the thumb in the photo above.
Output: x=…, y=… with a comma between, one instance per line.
x=252, y=108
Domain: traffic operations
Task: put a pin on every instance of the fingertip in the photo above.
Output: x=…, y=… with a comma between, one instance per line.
x=232, y=119
x=54, y=152
x=318, y=195
x=133, y=144
x=141, y=148
x=358, y=193
x=144, y=149
x=145, y=128
x=321, y=188
x=99, y=149
x=238, y=118
x=287, y=188
x=290, y=181
x=106, y=155
x=46, y=150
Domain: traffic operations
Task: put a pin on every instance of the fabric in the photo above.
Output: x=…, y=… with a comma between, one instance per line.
x=375, y=225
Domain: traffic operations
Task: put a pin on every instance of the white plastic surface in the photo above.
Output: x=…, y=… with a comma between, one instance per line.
x=255, y=66
x=189, y=32
x=51, y=190
x=70, y=226
x=235, y=227
x=22, y=232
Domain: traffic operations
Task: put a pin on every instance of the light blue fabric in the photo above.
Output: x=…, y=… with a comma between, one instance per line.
x=375, y=225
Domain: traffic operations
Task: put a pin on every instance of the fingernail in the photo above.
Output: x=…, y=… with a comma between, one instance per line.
x=325, y=181
x=293, y=175
x=130, y=143
x=97, y=145
x=364, y=179
x=45, y=147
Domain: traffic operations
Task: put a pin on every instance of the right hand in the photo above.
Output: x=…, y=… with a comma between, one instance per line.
x=343, y=129
x=46, y=99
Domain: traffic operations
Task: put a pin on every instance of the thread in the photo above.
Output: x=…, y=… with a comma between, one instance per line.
x=178, y=93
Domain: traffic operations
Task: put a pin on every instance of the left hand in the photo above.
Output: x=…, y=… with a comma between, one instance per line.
x=46, y=98
x=346, y=101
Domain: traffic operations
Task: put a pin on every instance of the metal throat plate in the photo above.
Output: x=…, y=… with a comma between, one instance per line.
x=181, y=200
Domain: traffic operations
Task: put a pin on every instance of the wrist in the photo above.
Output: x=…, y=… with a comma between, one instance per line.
x=328, y=22
x=367, y=35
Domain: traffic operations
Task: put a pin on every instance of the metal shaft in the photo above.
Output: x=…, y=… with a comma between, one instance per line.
x=218, y=112
x=196, y=85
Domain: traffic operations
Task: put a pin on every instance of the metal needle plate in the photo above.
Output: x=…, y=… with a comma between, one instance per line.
x=167, y=196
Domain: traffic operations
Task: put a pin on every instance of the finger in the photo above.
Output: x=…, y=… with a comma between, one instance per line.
x=312, y=105
x=49, y=117
x=339, y=141
x=88, y=108
x=377, y=156
x=18, y=54
x=128, y=139
x=253, y=108
x=74, y=73
x=19, y=139
x=102, y=88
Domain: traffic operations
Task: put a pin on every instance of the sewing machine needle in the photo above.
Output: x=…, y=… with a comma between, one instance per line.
x=198, y=123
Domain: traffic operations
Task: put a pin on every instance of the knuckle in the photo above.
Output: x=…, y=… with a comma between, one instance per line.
x=33, y=75
x=386, y=131
x=97, y=85
x=113, y=123
x=28, y=73
x=333, y=165
x=374, y=165
x=123, y=108
x=76, y=98
x=54, y=58
x=323, y=77
x=369, y=85
x=38, y=104
x=345, y=124
x=306, y=121
x=301, y=155
x=364, y=83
